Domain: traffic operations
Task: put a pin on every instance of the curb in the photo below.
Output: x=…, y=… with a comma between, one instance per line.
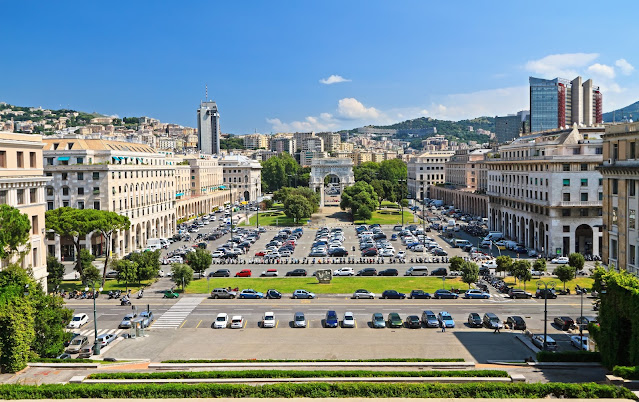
x=449, y=380
x=439, y=365
x=564, y=364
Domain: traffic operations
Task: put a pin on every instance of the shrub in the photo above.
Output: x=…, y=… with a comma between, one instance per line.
x=578, y=356
x=627, y=372
x=416, y=360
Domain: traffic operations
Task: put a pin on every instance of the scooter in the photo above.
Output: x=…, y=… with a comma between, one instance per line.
x=125, y=302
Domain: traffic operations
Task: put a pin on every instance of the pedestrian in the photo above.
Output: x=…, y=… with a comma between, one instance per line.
x=497, y=329
x=443, y=326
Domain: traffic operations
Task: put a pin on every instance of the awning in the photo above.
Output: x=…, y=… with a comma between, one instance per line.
x=117, y=158
x=63, y=158
x=222, y=187
x=179, y=194
x=139, y=159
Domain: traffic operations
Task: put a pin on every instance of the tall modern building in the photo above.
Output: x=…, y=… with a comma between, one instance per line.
x=208, y=128
x=561, y=103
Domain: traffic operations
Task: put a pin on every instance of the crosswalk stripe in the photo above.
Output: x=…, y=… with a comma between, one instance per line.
x=175, y=316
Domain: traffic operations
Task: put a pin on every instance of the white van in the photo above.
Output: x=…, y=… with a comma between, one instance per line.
x=419, y=270
x=461, y=243
x=494, y=236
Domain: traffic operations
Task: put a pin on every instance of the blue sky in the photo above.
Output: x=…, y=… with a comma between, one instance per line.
x=264, y=62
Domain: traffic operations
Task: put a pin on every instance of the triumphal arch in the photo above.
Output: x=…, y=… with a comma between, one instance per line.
x=338, y=170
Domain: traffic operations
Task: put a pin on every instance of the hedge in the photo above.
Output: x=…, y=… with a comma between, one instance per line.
x=45, y=360
x=577, y=356
x=314, y=390
x=413, y=360
x=296, y=374
x=627, y=372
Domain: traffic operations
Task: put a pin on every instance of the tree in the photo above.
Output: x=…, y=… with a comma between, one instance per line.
x=276, y=171
x=455, y=263
x=51, y=318
x=393, y=170
x=148, y=264
x=107, y=223
x=504, y=263
x=89, y=272
x=577, y=261
x=297, y=207
x=378, y=186
x=540, y=265
x=564, y=273
x=17, y=335
x=71, y=222
x=357, y=196
x=15, y=230
x=521, y=270
x=470, y=272
x=182, y=274
x=127, y=271
x=364, y=213
x=266, y=204
x=55, y=270
x=199, y=260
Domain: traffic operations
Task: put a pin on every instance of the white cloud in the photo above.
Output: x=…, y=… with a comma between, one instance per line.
x=625, y=67
x=352, y=109
x=602, y=70
x=333, y=79
x=560, y=65
x=323, y=123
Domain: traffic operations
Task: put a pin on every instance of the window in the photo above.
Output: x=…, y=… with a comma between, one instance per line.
x=600, y=196
x=584, y=196
x=96, y=175
x=583, y=212
x=632, y=215
x=65, y=190
x=3, y=159
x=566, y=196
x=633, y=152
x=601, y=182
x=50, y=205
x=96, y=204
x=3, y=196
x=584, y=167
x=20, y=196
x=614, y=215
x=65, y=176
x=613, y=249
x=80, y=161
x=20, y=157
x=35, y=257
x=566, y=167
x=49, y=161
x=80, y=175
x=80, y=190
x=33, y=195
x=34, y=224
x=615, y=186
x=80, y=204
x=566, y=229
x=32, y=159
x=599, y=151
x=615, y=152
x=96, y=191
x=632, y=257
x=576, y=151
x=584, y=182
x=632, y=191
x=566, y=182
x=65, y=203
x=565, y=212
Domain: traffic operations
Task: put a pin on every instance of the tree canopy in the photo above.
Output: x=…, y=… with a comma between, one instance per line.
x=470, y=272
x=15, y=230
x=361, y=199
x=199, y=260
x=276, y=171
x=565, y=273
x=75, y=223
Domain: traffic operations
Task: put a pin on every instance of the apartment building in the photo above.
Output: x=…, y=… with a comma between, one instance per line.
x=462, y=170
x=255, y=141
x=331, y=140
x=620, y=171
x=22, y=184
x=244, y=175
x=545, y=191
x=282, y=144
x=199, y=186
x=426, y=170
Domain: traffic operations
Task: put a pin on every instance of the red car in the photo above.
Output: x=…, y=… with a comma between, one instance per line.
x=260, y=253
x=245, y=273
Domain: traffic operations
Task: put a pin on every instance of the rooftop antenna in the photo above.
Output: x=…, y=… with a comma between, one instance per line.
x=206, y=92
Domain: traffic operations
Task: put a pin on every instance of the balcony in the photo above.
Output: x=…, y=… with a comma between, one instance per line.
x=578, y=204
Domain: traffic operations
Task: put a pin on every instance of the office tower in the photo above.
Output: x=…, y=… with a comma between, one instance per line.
x=208, y=128
x=560, y=103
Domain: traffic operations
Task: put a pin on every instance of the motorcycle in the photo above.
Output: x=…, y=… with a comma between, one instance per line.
x=125, y=302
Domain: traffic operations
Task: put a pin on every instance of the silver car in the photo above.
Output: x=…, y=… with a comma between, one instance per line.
x=299, y=321
x=126, y=321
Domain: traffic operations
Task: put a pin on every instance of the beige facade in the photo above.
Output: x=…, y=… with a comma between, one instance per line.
x=462, y=170
x=255, y=141
x=467, y=201
x=620, y=172
x=22, y=184
x=426, y=170
x=244, y=175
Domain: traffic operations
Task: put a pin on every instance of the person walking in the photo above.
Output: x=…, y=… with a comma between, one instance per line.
x=443, y=326
x=497, y=329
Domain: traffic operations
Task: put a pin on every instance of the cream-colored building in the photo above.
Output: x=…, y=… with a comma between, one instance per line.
x=22, y=184
x=426, y=170
x=255, y=141
x=244, y=175
x=462, y=170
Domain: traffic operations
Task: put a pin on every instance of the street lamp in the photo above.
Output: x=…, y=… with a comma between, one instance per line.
x=401, y=198
x=257, y=224
x=96, y=345
x=231, y=201
x=546, y=284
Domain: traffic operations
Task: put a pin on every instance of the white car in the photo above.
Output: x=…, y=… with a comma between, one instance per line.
x=268, y=321
x=576, y=340
x=176, y=259
x=401, y=254
x=349, y=320
x=161, y=273
x=346, y=271
x=217, y=254
x=221, y=321
x=386, y=253
x=489, y=264
x=559, y=260
x=237, y=322
x=78, y=320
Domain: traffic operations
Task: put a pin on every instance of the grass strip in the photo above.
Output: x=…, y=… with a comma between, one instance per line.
x=314, y=390
x=294, y=374
x=393, y=360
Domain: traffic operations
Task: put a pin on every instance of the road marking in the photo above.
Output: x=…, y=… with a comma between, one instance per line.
x=183, y=324
x=245, y=322
x=175, y=316
x=277, y=323
x=198, y=324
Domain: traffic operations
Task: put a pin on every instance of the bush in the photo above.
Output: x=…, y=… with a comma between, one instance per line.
x=579, y=356
x=296, y=374
x=314, y=390
x=45, y=360
x=416, y=360
x=627, y=372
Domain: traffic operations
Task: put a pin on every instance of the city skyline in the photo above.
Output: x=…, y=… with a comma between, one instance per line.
x=345, y=73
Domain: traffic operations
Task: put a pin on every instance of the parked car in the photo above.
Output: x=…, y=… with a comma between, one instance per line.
x=112, y=274
x=412, y=321
x=545, y=293
x=439, y=272
x=419, y=294
x=223, y=293
x=445, y=318
x=349, y=320
x=127, y=321
x=476, y=294
x=439, y=252
x=395, y=321
x=224, y=273
x=519, y=294
x=445, y=294
x=270, y=272
x=86, y=352
x=388, y=272
x=273, y=294
x=346, y=271
x=538, y=340
x=516, y=322
x=297, y=272
x=78, y=320
x=299, y=321
x=250, y=294
x=245, y=273
x=378, y=321
x=491, y=321
x=331, y=320
x=429, y=319
x=77, y=343
x=559, y=260
x=585, y=320
x=146, y=318
x=221, y=321
x=392, y=294
x=492, y=264
x=268, y=320
x=564, y=322
x=363, y=294
x=303, y=294
x=580, y=343
x=474, y=320
x=237, y=322
x=106, y=339
x=367, y=272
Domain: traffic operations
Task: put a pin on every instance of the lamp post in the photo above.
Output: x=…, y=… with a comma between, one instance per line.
x=581, y=323
x=231, y=200
x=401, y=198
x=96, y=344
x=257, y=224
x=552, y=285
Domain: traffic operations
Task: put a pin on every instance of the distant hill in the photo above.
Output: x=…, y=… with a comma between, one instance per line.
x=628, y=112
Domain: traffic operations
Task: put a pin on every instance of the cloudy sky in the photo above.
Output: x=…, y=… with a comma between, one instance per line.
x=303, y=65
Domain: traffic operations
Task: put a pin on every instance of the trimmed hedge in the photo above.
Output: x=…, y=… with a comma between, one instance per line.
x=627, y=372
x=296, y=374
x=578, y=356
x=45, y=360
x=314, y=390
x=414, y=360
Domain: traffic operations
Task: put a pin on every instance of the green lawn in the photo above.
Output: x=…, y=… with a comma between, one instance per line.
x=388, y=204
x=584, y=282
x=389, y=217
x=337, y=285
x=110, y=284
x=272, y=218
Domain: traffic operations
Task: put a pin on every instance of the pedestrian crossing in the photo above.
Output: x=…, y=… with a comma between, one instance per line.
x=175, y=316
x=91, y=332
